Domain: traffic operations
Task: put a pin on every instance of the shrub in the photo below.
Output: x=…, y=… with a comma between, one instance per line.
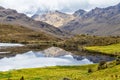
x=90, y=70
x=102, y=65
x=22, y=78
x=118, y=60
x=66, y=79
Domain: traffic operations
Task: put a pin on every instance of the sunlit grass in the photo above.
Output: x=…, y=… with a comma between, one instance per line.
x=58, y=73
x=110, y=49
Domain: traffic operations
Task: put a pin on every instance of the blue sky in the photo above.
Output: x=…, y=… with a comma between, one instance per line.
x=30, y=7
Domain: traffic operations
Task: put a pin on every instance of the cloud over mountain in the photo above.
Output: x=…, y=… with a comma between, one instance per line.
x=30, y=7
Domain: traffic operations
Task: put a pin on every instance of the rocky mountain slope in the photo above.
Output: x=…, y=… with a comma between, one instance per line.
x=99, y=21
x=54, y=18
x=9, y=16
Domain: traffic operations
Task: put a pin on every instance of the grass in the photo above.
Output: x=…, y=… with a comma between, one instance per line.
x=113, y=49
x=58, y=73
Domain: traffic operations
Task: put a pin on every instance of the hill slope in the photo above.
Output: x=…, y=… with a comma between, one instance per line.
x=15, y=33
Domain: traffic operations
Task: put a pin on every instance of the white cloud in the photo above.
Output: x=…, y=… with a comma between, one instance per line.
x=31, y=6
x=103, y=3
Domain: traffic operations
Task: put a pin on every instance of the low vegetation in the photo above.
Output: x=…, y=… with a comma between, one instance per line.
x=87, y=40
x=77, y=43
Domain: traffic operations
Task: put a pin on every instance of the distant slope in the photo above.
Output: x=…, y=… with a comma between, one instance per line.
x=15, y=33
x=54, y=18
x=9, y=16
x=99, y=21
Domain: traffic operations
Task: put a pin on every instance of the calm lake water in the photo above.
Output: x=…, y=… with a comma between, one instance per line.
x=34, y=59
x=10, y=45
x=38, y=59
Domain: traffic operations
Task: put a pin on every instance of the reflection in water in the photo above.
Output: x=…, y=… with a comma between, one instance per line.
x=10, y=45
x=52, y=56
x=37, y=59
x=95, y=58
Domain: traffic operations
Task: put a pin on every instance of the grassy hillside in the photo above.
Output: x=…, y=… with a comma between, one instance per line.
x=113, y=49
x=60, y=73
x=16, y=33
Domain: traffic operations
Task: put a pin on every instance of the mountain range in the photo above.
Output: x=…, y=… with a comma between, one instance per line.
x=12, y=17
x=98, y=21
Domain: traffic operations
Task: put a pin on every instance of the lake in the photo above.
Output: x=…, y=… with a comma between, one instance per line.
x=50, y=57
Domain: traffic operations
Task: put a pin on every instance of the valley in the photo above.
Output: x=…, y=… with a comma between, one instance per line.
x=55, y=45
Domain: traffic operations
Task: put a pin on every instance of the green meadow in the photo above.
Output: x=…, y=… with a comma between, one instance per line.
x=113, y=49
x=63, y=72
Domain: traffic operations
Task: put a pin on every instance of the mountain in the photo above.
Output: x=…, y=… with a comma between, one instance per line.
x=9, y=16
x=54, y=18
x=99, y=21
